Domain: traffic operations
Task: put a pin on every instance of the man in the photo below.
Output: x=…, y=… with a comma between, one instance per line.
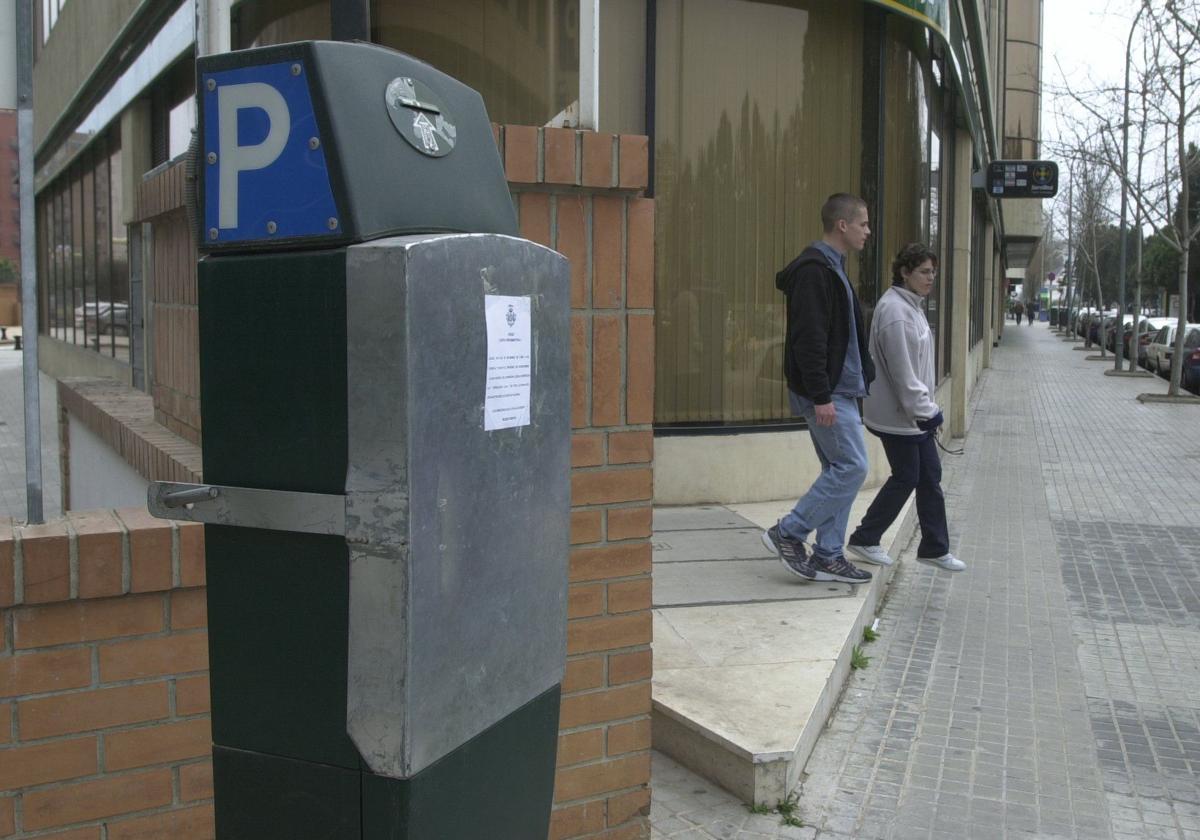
x=828, y=368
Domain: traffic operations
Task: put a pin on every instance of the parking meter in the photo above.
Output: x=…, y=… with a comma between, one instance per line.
x=384, y=371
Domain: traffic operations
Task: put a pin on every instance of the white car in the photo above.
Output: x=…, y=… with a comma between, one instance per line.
x=1161, y=347
x=1147, y=331
x=103, y=316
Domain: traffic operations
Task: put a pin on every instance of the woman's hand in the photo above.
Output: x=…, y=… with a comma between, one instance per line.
x=931, y=423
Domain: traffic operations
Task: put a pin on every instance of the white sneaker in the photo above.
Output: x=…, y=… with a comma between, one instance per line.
x=947, y=561
x=873, y=554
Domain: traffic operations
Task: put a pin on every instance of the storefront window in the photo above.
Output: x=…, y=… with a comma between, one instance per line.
x=83, y=266
x=261, y=23
x=906, y=142
x=758, y=120
x=521, y=55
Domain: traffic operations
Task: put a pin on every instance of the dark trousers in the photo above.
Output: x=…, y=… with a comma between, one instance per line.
x=915, y=466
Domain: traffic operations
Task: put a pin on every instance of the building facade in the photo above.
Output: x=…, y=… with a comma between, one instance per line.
x=677, y=151
x=10, y=191
x=754, y=123
x=10, y=196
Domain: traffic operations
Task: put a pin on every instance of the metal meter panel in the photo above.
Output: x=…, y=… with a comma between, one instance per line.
x=273, y=375
x=415, y=146
x=457, y=533
x=320, y=143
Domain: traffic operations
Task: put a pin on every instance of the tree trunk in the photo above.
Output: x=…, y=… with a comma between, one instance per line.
x=1137, y=300
x=1100, y=308
x=1180, y=332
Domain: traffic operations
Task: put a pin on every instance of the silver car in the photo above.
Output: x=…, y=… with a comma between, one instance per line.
x=102, y=316
x=1161, y=348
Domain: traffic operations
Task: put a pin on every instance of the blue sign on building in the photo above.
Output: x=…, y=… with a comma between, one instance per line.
x=264, y=169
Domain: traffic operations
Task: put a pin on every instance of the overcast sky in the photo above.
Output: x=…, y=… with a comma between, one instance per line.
x=1086, y=38
x=1083, y=45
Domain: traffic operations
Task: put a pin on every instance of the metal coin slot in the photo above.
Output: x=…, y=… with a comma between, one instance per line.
x=420, y=117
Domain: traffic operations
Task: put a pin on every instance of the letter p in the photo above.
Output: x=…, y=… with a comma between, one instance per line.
x=234, y=158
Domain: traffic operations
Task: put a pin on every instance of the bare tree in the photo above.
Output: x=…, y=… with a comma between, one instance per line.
x=1175, y=31
x=1091, y=196
x=1169, y=99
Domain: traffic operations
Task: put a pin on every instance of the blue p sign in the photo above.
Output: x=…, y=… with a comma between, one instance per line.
x=265, y=176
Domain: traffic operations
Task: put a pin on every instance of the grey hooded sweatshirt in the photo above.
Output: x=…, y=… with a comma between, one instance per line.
x=902, y=347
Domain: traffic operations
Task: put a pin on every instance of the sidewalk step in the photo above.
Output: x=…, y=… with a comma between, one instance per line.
x=748, y=661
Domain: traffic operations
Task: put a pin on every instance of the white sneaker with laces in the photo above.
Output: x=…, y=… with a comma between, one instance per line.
x=947, y=561
x=873, y=554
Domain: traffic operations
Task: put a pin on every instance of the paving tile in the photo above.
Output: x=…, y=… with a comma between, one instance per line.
x=12, y=440
x=1051, y=687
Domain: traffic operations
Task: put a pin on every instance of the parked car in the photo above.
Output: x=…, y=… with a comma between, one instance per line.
x=1161, y=348
x=102, y=316
x=1110, y=331
x=1189, y=374
x=1147, y=329
x=1080, y=319
x=1159, y=344
x=1096, y=322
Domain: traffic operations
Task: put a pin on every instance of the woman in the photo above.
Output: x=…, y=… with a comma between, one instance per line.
x=900, y=410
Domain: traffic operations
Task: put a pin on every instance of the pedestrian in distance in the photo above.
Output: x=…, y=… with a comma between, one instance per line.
x=828, y=369
x=1018, y=310
x=901, y=412
x=1031, y=312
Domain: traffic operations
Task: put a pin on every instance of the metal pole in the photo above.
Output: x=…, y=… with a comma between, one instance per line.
x=29, y=313
x=350, y=20
x=212, y=26
x=1118, y=344
x=1074, y=285
x=589, y=64
x=1042, y=267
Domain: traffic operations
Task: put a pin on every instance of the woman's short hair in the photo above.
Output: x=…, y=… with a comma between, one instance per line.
x=910, y=257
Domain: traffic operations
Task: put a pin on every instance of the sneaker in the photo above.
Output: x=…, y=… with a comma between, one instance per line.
x=838, y=568
x=791, y=552
x=947, y=561
x=873, y=554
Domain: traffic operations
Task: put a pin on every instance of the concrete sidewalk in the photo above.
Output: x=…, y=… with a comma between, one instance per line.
x=748, y=660
x=12, y=437
x=1050, y=690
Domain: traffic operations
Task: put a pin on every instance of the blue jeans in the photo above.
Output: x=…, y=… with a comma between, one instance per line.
x=825, y=508
x=915, y=466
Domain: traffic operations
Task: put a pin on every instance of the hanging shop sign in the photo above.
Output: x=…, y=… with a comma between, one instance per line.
x=1022, y=179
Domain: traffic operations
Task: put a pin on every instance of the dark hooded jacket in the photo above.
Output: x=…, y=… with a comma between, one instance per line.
x=818, y=327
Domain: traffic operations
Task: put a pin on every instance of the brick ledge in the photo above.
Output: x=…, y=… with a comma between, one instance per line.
x=123, y=418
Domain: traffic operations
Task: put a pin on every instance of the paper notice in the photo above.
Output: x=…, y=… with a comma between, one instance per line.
x=509, y=362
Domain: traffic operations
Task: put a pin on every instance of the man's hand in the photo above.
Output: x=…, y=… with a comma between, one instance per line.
x=826, y=414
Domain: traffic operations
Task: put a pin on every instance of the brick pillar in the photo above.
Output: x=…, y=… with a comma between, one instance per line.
x=173, y=377
x=580, y=193
x=104, y=709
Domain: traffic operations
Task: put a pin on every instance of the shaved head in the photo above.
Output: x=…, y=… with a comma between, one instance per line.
x=840, y=207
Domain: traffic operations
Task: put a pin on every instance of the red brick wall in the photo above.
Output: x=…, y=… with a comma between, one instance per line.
x=104, y=723
x=10, y=202
x=580, y=193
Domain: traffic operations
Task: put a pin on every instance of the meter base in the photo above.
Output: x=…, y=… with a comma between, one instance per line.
x=497, y=786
